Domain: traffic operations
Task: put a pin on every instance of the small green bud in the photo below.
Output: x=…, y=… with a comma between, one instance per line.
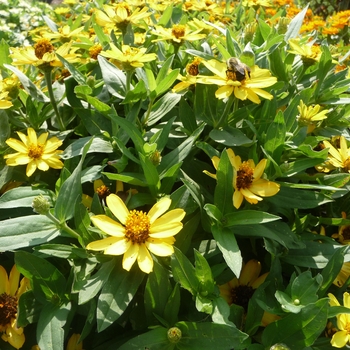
x=279, y=346
x=155, y=158
x=41, y=205
x=174, y=334
x=91, y=81
x=283, y=25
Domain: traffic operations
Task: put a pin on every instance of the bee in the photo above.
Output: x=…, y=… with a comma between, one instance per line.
x=241, y=70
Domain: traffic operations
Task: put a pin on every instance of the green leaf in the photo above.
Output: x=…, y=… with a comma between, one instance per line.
x=49, y=332
x=151, y=174
x=295, y=25
x=23, y=197
x=155, y=339
x=172, y=306
x=163, y=106
x=114, y=78
x=213, y=212
x=248, y=217
x=79, y=77
x=275, y=137
x=26, y=231
x=203, y=274
x=137, y=94
x=305, y=287
x=184, y=272
x=136, y=179
x=116, y=294
x=224, y=188
x=227, y=243
x=70, y=191
x=300, y=330
x=230, y=137
x=48, y=283
x=31, y=89
x=62, y=251
x=207, y=336
x=4, y=53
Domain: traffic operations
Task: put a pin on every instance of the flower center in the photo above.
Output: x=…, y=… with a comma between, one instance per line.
x=244, y=176
x=103, y=191
x=137, y=226
x=8, y=309
x=231, y=75
x=347, y=164
x=36, y=151
x=41, y=47
x=346, y=233
x=241, y=295
x=95, y=50
x=178, y=31
x=347, y=328
x=192, y=68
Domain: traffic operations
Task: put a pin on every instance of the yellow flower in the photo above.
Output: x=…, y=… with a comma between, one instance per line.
x=343, y=235
x=249, y=88
x=339, y=158
x=178, y=33
x=64, y=34
x=343, y=275
x=36, y=152
x=9, y=295
x=310, y=115
x=129, y=58
x=120, y=15
x=342, y=336
x=190, y=79
x=137, y=233
x=247, y=181
x=4, y=103
x=43, y=54
x=310, y=54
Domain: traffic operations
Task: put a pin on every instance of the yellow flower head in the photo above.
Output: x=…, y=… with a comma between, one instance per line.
x=310, y=115
x=247, y=181
x=129, y=57
x=9, y=295
x=36, y=152
x=64, y=34
x=339, y=157
x=138, y=233
x=4, y=102
x=342, y=336
x=343, y=235
x=178, y=33
x=310, y=54
x=251, y=87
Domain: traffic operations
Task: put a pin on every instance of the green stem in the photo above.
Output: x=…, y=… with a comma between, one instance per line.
x=63, y=226
x=48, y=79
x=227, y=109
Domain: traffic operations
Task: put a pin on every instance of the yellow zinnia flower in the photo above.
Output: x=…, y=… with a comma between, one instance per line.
x=342, y=336
x=178, y=33
x=339, y=158
x=249, y=88
x=129, y=58
x=310, y=54
x=36, y=152
x=310, y=115
x=64, y=34
x=4, y=103
x=137, y=233
x=247, y=181
x=9, y=295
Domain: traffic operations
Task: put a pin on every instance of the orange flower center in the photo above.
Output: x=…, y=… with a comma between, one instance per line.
x=241, y=295
x=36, y=151
x=8, y=310
x=137, y=226
x=178, y=31
x=43, y=46
x=244, y=176
x=231, y=75
x=95, y=50
x=103, y=191
x=192, y=68
x=347, y=164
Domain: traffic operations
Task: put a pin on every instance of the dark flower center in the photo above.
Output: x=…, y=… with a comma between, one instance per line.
x=178, y=31
x=241, y=295
x=41, y=47
x=244, y=176
x=8, y=309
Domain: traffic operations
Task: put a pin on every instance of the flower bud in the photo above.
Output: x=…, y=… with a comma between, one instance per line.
x=279, y=346
x=41, y=205
x=174, y=334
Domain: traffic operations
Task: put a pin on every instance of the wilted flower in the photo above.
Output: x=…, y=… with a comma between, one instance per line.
x=36, y=152
x=137, y=232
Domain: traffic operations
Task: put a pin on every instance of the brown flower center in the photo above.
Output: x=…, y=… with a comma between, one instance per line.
x=8, y=309
x=137, y=226
x=178, y=31
x=103, y=191
x=43, y=46
x=36, y=151
x=346, y=233
x=244, y=176
x=231, y=75
x=241, y=295
x=192, y=68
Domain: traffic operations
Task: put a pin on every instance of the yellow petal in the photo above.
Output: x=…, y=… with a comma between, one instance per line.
x=108, y=225
x=42, y=165
x=32, y=138
x=16, y=339
x=224, y=92
x=259, y=169
x=4, y=281
x=118, y=248
x=250, y=196
x=339, y=339
x=264, y=188
x=158, y=247
x=237, y=199
x=14, y=280
x=333, y=151
x=130, y=256
x=17, y=145
x=166, y=230
x=333, y=300
x=346, y=300
x=117, y=207
x=241, y=93
x=250, y=272
x=102, y=244
x=31, y=167
x=144, y=259
x=158, y=209
x=175, y=215
x=52, y=144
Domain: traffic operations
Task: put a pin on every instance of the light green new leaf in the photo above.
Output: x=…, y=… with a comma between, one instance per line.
x=70, y=191
x=116, y=294
x=300, y=330
x=49, y=332
x=151, y=174
x=23, y=197
x=227, y=243
x=26, y=231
